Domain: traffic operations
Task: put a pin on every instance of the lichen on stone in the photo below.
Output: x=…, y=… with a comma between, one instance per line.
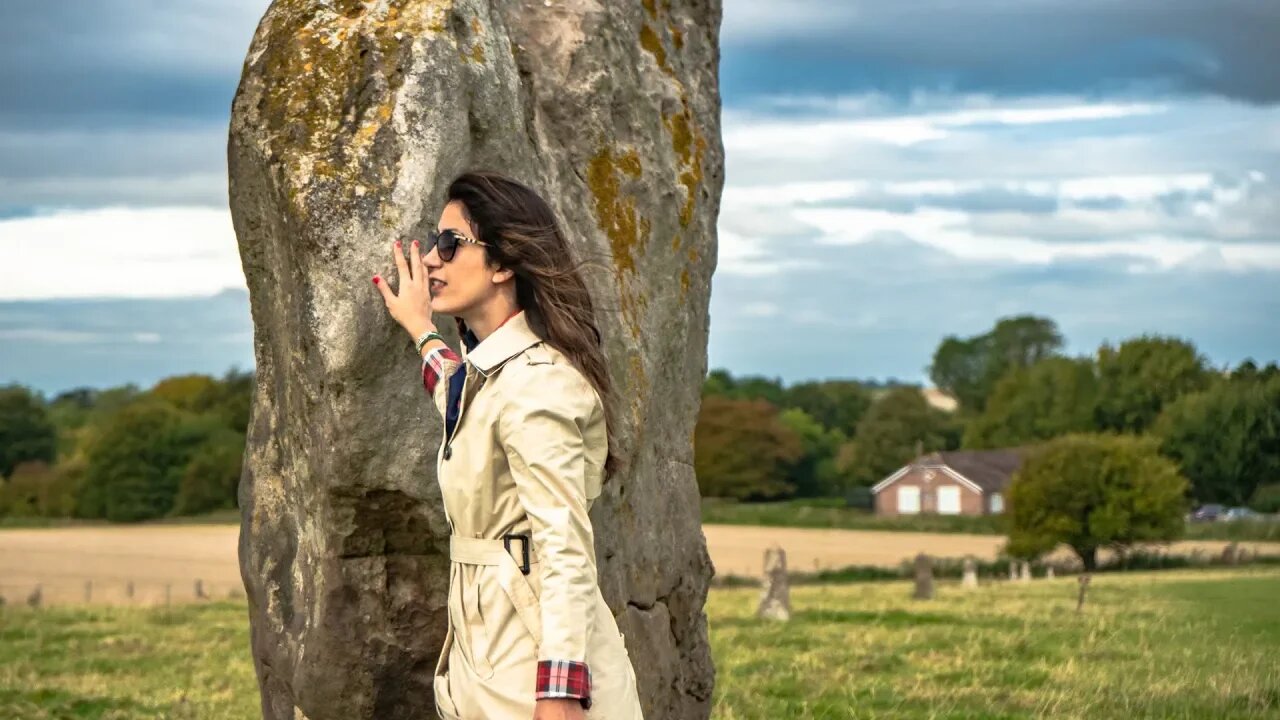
x=650, y=41
x=615, y=208
x=690, y=148
x=316, y=73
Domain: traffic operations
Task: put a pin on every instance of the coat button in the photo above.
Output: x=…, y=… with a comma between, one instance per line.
x=448, y=452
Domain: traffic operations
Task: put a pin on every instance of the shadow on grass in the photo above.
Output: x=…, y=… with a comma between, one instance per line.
x=55, y=703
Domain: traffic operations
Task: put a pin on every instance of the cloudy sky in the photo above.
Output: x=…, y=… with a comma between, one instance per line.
x=895, y=172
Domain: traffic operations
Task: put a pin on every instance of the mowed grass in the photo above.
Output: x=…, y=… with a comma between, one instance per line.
x=1175, y=644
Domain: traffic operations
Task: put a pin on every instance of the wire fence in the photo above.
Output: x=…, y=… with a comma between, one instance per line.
x=117, y=591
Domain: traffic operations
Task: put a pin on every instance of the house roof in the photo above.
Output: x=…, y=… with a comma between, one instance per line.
x=989, y=470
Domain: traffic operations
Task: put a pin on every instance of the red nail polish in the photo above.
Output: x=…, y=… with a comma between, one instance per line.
x=375, y=279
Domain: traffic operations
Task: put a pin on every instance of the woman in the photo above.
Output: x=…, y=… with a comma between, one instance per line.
x=525, y=451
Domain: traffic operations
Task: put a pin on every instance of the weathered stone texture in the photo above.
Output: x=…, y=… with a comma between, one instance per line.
x=349, y=120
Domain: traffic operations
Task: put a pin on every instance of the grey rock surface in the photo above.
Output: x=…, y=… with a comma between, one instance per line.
x=349, y=120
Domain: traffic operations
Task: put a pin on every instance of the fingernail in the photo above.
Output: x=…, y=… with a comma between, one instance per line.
x=397, y=243
x=375, y=279
x=415, y=243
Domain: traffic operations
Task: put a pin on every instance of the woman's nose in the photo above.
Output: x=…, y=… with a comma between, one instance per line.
x=432, y=258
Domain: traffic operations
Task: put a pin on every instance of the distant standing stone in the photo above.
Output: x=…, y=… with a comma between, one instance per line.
x=775, y=599
x=1048, y=573
x=1230, y=554
x=1013, y=569
x=924, y=577
x=1025, y=574
x=970, y=573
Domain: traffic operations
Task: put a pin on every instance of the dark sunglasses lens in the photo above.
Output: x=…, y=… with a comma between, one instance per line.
x=448, y=243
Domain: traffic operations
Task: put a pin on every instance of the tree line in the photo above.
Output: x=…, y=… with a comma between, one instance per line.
x=759, y=439
x=123, y=454
x=177, y=448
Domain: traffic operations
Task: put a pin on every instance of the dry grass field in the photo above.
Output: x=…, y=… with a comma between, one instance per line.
x=164, y=561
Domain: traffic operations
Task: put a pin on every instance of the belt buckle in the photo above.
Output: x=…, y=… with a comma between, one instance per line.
x=524, y=550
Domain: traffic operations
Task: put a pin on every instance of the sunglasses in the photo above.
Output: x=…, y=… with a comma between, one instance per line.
x=447, y=243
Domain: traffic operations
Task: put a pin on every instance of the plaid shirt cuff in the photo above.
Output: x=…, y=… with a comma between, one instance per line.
x=434, y=366
x=564, y=679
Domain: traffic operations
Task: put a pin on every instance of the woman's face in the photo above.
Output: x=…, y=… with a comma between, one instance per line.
x=465, y=282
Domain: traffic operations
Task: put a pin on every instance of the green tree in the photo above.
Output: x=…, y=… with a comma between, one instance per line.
x=36, y=489
x=742, y=450
x=1053, y=397
x=135, y=463
x=186, y=392
x=814, y=473
x=26, y=433
x=1093, y=491
x=969, y=368
x=1136, y=380
x=211, y=477
x=1226, y=438
x=836, y=404
x=896, y=428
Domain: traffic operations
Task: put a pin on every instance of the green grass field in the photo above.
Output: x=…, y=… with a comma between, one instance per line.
x=1175, y=644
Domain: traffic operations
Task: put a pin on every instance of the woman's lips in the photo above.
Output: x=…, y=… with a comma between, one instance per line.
x=435, y=285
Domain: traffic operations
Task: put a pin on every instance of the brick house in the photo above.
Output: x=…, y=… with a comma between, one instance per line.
x=962, y=482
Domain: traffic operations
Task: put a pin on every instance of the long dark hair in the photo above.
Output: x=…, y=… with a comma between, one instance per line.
x=524, y=237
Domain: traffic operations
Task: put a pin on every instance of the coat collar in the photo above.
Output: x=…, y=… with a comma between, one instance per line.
x=510, y=339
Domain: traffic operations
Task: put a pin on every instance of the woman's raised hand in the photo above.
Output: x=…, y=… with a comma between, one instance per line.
x=411, y=306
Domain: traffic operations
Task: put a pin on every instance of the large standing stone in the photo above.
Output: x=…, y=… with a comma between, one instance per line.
x=349, y=120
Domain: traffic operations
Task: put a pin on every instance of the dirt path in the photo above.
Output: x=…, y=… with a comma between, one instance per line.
x=165, y=561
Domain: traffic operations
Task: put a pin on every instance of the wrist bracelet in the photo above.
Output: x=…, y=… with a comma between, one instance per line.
x=425, y=338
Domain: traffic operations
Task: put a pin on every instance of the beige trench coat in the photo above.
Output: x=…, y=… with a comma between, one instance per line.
x=526, y=457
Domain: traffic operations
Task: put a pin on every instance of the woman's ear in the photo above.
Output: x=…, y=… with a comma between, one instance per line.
x=502, y=275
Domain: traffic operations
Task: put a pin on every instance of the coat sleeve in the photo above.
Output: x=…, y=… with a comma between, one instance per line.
x=438, y=365
x=542, y=430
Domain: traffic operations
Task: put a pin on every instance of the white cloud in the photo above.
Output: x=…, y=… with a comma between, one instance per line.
x=119, y=252
x=760, y=310
x=748, y=134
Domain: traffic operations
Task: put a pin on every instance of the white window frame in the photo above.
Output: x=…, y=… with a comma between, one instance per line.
x=908, y=491
x=949, y=500
x=997, y=503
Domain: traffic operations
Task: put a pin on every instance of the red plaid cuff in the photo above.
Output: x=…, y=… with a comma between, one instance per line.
x=434, y=366
x=564, y=679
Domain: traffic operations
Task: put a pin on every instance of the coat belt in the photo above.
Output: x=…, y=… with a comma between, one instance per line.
x=485, y=551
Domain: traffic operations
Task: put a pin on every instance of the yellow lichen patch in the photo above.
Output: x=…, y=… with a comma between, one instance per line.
x=651, y=7
x=690, y=148
x=675, y=243
x=677, y=37
x=313, y=60
x=476, y=27
x=684, y=282
x=616, y=208
x=650, y=41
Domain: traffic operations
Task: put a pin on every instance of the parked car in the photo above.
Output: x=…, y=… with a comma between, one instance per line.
x=1239, y=513
x=1208, y=513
